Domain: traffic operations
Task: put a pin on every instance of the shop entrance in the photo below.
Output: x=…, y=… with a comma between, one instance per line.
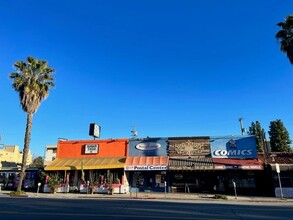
x=148, y=180
x=192, y=181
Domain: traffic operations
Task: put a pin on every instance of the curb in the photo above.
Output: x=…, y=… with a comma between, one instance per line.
x=193, y=197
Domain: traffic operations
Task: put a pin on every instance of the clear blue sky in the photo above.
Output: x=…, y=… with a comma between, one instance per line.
x=171, y=68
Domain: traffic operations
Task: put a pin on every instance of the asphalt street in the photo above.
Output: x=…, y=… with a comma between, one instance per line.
x=142, y=206
x=107, y=207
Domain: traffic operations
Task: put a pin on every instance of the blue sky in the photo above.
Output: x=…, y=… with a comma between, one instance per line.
x=170, y=68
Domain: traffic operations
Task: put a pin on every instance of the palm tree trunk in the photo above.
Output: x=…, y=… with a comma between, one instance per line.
x=27, y=138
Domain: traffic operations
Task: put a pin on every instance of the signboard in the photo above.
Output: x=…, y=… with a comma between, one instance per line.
x=95, y=130
x=240, y=147
x=91, y=149
x=148, y=147
x=238, y=167
x=196, y=146
x=146, y=167
x=277, y=168
x=145, y=146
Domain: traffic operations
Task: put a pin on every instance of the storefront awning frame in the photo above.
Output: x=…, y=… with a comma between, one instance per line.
x=86, y=163
x=146, y=163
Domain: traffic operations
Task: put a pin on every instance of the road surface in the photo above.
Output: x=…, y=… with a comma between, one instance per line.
x=122, y=209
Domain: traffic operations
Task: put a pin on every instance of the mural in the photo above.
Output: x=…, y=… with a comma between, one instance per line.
x=189, y=146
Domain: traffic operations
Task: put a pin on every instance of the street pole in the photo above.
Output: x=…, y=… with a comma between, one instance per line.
x=165, y=183
x=280, y=185
x=39, y=184
x=234, y=184
x=241, y=126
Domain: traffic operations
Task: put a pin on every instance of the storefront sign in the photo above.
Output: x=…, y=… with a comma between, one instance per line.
x=233, y=152
x=95, y=130
x=198, y=167
x=148, y=146
x=147, y=167
x=91, y=149
x=199, y=146
x=238, y=167
x=240, y=147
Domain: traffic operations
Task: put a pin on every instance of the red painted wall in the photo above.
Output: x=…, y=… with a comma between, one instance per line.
x=107, y=148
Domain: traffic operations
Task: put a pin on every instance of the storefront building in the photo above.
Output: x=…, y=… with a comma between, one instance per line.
x=280, y=167
x=214, y=164
x=147, y=164
x=190, y=164
x=174, y=164
x=9, y=177
x=236, y=164
x=89, y=166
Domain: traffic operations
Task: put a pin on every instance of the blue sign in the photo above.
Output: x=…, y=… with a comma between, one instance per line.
x=148, y=147
x=240, y=147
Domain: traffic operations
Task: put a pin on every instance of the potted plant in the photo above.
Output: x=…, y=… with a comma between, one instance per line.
x=54, y=182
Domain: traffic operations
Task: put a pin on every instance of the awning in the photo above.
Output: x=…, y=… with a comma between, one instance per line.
x=237, y=164
x=191, y=164
x=146, y=163
x=86, y=163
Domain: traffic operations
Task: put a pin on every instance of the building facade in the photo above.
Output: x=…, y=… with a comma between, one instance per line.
x=89, y=166
x=11, y=156
x=279, y=173
x=190, y=165
x=236, y=164
x=172, y=164
x=146, y=165
x=50, y=154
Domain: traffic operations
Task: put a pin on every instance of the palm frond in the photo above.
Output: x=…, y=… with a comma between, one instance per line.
x=285, y=37
x=32, y=80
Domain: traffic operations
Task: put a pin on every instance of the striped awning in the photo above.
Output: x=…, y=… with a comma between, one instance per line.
x=190, y=163
x=86, y=163
x=146, y=163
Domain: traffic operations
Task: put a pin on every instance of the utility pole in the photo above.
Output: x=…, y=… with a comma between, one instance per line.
x=134, y=132
x=241, y=126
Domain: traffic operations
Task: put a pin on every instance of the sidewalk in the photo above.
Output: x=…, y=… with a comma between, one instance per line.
x=155, y=195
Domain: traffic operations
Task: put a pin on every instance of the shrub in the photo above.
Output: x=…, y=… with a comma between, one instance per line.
x=17, y=193
x=221, y=197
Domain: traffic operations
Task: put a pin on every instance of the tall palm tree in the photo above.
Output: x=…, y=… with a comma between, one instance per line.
x=32, y=80
x=285, y=37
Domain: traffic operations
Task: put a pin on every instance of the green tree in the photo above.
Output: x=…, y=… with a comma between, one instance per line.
x=279, y=137
x=32, y=80
x=38, y=162
x=285, y=37
x=259, y=132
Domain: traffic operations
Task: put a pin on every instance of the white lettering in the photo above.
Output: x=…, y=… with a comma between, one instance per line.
x=148, y=146
x=150, y=167
x=233, y=152
x=91, y=148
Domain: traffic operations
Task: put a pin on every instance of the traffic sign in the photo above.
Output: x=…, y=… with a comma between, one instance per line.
x=277, y=168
